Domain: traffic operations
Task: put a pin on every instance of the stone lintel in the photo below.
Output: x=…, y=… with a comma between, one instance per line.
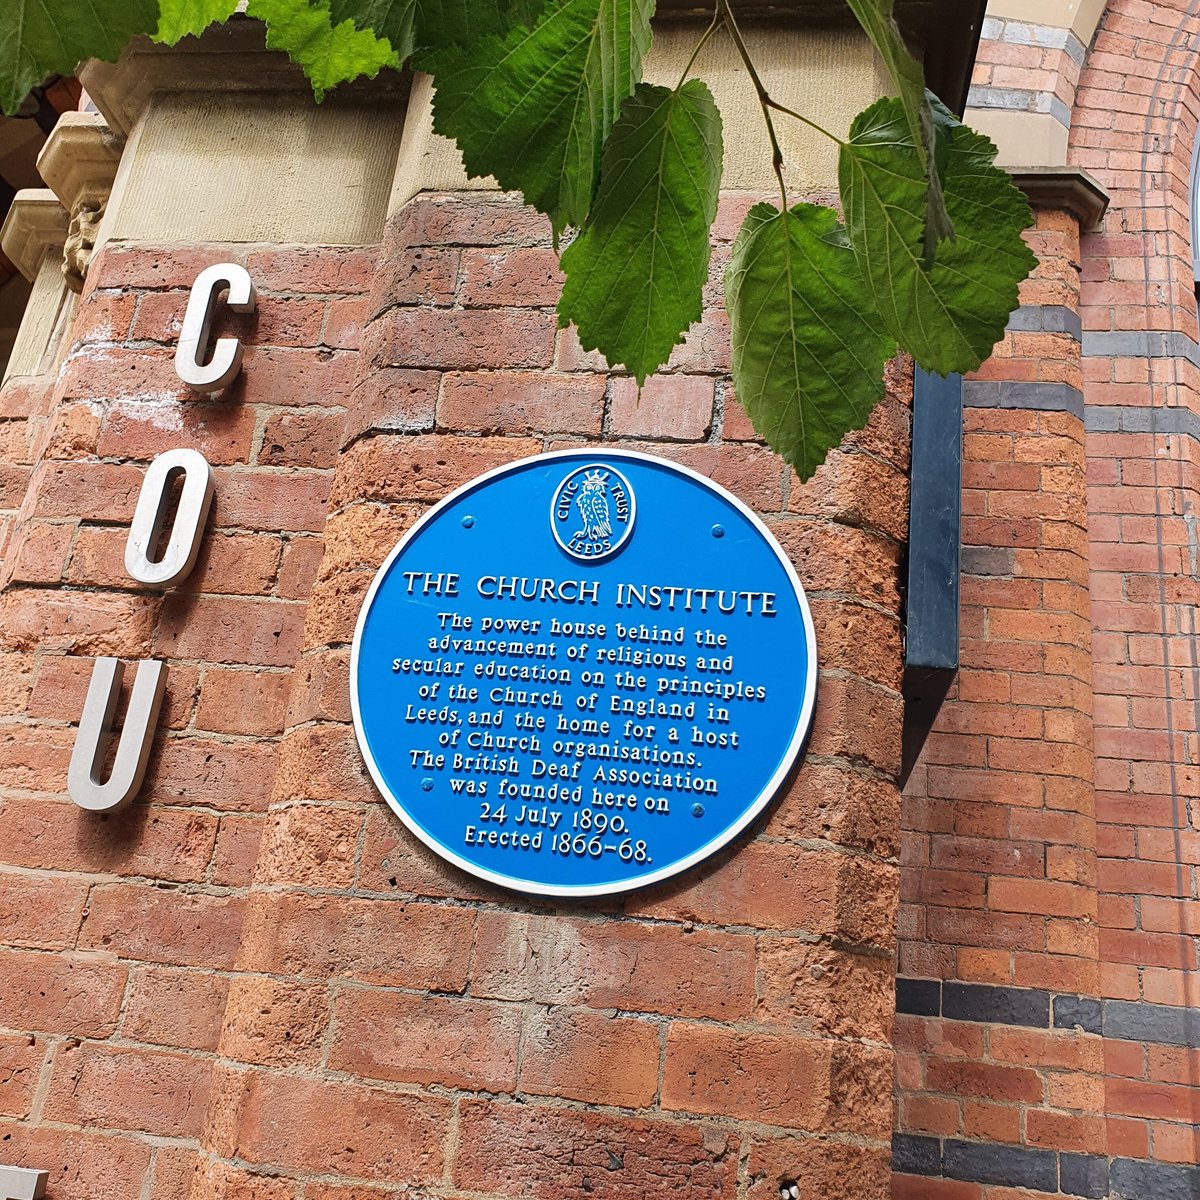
x=1071, y=189
x=36, y=222
x=228, y=58
x=1025, y=140
x=829, y=75
x=79, y=160
x=1079, y=16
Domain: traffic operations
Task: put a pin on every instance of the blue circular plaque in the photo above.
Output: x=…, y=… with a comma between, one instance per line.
x=589, y=703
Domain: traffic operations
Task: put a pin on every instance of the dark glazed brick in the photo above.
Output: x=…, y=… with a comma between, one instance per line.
x=1010, y=1166
x=912, y=1155
x=919, y=997
x=996, y=1005
x=1046, y=397
x=1132, y=1179
x=1083, y=1011
x=1083, y=1175
x=1137, y=1022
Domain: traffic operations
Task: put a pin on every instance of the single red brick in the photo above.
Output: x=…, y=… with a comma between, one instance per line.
x=461, y=340
x=175, y=1008
x=675, y=407
x=592, y=1057
x=413, y=275
x=449, y=1041
x=273, y=1022
x=819, y=1167
x=260, y=632
x=525, y=278
x=821, y=992
x=778, y=1080
x=121, y=1088
x=422, y=468
x=251, y=702
x=271, y=501
x=40, y=912
x=236, y=853
x=394, y=400
x=81, y=1165
x=309, y=270
x=298, y=569
x=168, y=844
x=21, y=1058
x=344, y=324
x=99, y=491
x=544, y=1153
x=522, y=402
x=164, y=926
x=962, y=1078
x=301, y=438
x=310, y=845
x=231, y=775
x=394, y=944
x=633, y=967
x=327, y=1127
x=70, y=993
x=281, y=375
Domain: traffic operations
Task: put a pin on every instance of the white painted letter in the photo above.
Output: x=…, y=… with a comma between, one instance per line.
x=179, y=555
x=220, y=371
x=95, y=730
x=20, y=1183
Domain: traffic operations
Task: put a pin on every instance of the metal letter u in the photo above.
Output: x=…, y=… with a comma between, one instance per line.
x=95, y=731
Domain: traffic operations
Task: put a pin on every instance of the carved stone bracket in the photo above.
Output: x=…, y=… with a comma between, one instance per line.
x=36, y=222
x=79, y=162
x=1069, y=188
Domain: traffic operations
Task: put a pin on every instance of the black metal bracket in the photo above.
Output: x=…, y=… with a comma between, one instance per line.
x=931, y=595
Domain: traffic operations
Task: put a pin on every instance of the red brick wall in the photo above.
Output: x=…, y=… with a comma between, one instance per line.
x=1145, y=582
x=119, y=931
x=287, y=996
x=1091, y=636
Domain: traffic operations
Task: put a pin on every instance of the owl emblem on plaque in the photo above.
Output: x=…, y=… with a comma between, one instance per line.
x=591, y=514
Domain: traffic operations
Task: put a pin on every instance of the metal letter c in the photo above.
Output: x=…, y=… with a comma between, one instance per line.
x=221, y=370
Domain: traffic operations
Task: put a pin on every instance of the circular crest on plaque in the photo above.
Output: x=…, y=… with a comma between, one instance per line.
x=576, y=721
x=592, y=512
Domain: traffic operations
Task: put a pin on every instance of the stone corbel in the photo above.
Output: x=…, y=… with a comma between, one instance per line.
x=79, y=162
x=36, y=223
x=32, y=238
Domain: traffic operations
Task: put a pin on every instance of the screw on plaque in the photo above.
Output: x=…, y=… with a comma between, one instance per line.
x=427, y=784
x=468, y=521
x=697, y=810
x=718, y=531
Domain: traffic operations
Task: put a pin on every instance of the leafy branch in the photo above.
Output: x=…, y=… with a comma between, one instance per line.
x=547, y=96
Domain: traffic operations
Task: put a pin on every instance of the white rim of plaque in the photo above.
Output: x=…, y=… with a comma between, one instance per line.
x=766, y=794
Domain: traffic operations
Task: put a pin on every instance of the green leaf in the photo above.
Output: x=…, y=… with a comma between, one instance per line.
x=45, y=37
x=808, y=348
x=179, y=18
x=329, y=54
x=635, y=273
x=533, y=108
x=950, y=316
x=411, y=25
x=875, y=16
x=390, y=19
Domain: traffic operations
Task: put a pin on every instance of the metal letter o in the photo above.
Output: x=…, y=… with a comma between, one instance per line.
x=179, y=556
x=220, y=371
